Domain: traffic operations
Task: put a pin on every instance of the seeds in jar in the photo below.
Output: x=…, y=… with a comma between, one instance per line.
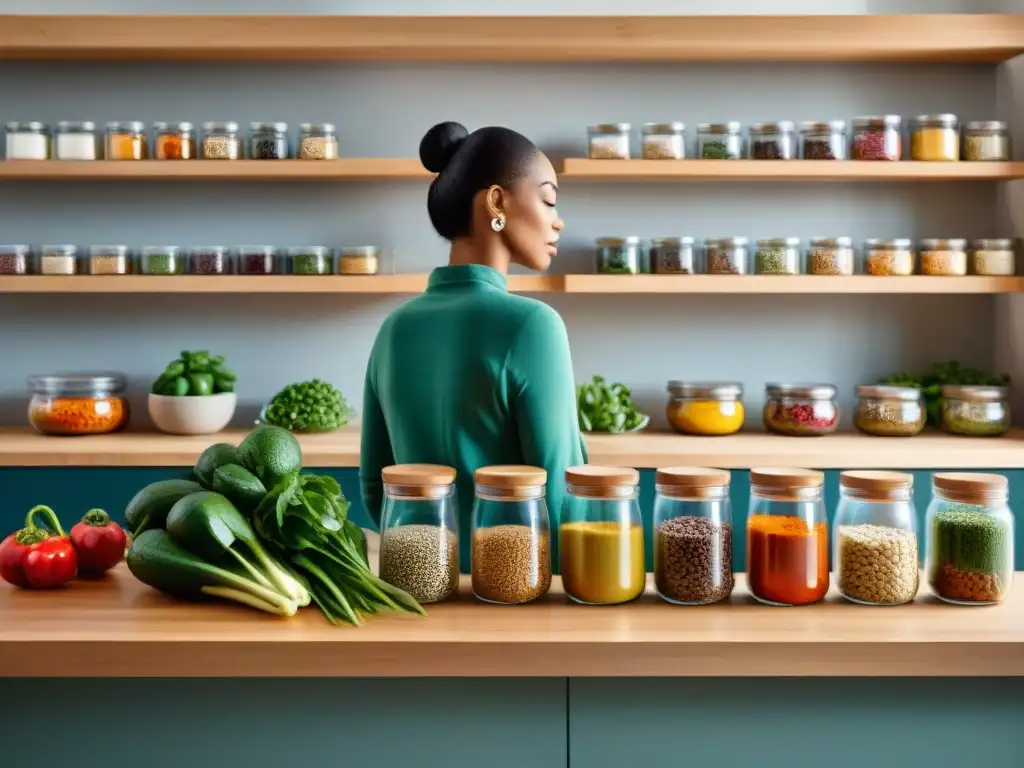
x=211, y=260
x=58, y=260
x=943, y=257
x=221, y=148
x=888, y=258
x=963, y=417
x=773, y=261
x=511, y=563
x=971, y=555
x=877, y=564
x=889, y=419
x=986, y=141
x=993, y=257
x=693, y=560
x=318, y=148
x=14, y=259
x=423, y=560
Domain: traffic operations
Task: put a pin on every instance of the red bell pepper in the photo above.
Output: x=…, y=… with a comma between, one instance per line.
x=37, y=557
x=99, y=542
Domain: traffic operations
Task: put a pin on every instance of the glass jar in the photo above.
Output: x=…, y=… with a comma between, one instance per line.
x=706, y=408
x=942, y=257
x=16, y=260
x=510, y=549
x=221, y=142
x=664, y=141
x=58, y=260
x=877, y=137
x=720, y=141
x=824, y=141
x=726, y=255
x=211, y=260
x=318, y=141
x=993, y=257
x=359, y=260
x=28, y=141
x=886, y=411
x=78, y=403
x=419, y=534
x=888, y=258
x=830, y=256
x=976, y=411
x=601, y=536
x=673, y=256
x=75, y=140
x=986, y=140
x=162, y=260
x=875, y=554
x=970, y=526
x=609, y=141
x=110, y=260
x=258, y=260
x=935, y=138
x=268, y=141
x=801, y=410
x=787, y=537
x=777, y=256
x=126, y=141
x=174, y=141
x=620, y=256
x=692, y=535
x=311, y=260
x=773, y=141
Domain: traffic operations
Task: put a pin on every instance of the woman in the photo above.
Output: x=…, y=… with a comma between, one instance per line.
x=467, y=374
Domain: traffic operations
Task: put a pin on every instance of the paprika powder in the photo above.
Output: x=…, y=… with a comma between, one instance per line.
x=38, y=556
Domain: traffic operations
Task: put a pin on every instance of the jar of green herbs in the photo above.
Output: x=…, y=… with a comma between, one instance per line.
x=162, y=260
x=975, y=411
x=311, y=260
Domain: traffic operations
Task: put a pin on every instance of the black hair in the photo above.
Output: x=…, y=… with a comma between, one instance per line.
x=466, y=163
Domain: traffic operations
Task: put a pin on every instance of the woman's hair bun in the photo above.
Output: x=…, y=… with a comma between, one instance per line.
x=439, y=145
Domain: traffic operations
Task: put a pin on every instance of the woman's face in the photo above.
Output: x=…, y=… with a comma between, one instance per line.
x=531, y=220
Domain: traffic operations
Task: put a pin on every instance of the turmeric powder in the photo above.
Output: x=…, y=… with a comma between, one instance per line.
x=78, y=415
x=787, y=559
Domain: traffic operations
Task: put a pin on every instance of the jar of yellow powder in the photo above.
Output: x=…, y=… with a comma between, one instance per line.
x=706, y=408
x=935, y=138
x=126, y=141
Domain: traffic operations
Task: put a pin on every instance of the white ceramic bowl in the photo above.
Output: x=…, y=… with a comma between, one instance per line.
x=192, y=415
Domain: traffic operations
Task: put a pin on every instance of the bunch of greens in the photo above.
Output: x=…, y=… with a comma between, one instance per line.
x=309, y=406
x=606, y=407
x=932, y=381
x=195, y=374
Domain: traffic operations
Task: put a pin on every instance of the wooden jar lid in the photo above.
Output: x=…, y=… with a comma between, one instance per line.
x=510, y=476
x=971, y=483
x=692, y=477
x=593, y=476
x=418, y=474
x=787, y=477
x=874, y=480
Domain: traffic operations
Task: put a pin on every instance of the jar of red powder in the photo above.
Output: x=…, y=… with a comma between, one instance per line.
x=787, y=537
x=877, y=137
x=801, y=410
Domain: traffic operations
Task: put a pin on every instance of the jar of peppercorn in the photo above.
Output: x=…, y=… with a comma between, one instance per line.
x=830, y=256
x=801, y=410
x=268, y=141
x=824, y=141
x=773, y=141
x=877, y=137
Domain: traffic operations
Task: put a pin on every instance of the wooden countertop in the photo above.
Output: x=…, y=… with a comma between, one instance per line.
x=121, y=628
x=22, y=447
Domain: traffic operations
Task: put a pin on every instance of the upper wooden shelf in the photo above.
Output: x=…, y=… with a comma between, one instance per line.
x=790, y=284
x=930, y=38
x=21, y=447
x=352, y=168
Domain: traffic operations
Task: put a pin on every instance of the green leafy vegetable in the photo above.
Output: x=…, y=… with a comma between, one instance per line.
x=932, y=381
x=310, y=406
x=194, y=374
x=606, y=407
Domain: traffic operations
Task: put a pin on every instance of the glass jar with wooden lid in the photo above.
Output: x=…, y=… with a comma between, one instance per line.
x=692, y=535
x=787, y=536
x=601, y=535
x=888, y=411
x=875, y=553
x=511, y=542
x=419, y=534
x=970, y=530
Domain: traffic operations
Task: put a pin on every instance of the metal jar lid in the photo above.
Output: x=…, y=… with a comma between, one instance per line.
x=727, y=242
x=668, y=242
x=258, y=127
x=309, y=250
x=887, y=392
x=362, y=251
x=830, y=242
x=986, y=125
x=975, y=393
x=617, y=242
x=76, y=126
x=108, y=250
x=936, y=244
x=64, y=384
x=230, y=126
x=896, y=244
x=58, y=250
x=316, y=128
x=733, y=126
x=706, y=390
x=779, y=242
x=801, y=391
x=29, y=127
x=164, y=127
x=126, y=126
x=992, y=244
x=609, y=128
x=662, y=128
x=811, y=126
x=936, y=121
x=782, y=126
x=877, y=121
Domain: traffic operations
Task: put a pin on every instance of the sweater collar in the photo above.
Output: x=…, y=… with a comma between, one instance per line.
x=466, y=274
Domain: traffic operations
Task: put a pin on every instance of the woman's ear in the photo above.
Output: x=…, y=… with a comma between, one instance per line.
x=497, y=202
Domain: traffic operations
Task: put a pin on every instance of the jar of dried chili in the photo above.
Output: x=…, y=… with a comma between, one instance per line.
x=787, y=536
x=78, y=403
x=174, y=141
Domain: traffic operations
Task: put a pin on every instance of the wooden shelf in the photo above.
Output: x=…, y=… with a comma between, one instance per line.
x=118, y=627
x=21, y=447
x=931, y=38
x=793, y=284
x=345, y=168
x=782, y=170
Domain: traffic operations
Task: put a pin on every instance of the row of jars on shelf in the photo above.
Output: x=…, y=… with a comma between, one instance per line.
x=969, y=536
x=200, y=260
x=878, y=137
x=810, y=410
x=129, y=140
x=822, y=256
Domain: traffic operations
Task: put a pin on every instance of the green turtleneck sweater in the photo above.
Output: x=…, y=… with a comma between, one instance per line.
x=468, y=375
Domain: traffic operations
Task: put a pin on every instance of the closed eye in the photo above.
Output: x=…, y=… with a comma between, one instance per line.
x=549, y=205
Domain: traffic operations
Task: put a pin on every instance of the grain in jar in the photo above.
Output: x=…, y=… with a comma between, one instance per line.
x=511, y=540
x=801, y=410
x=875, y=554
x=620, y=256
x=887, y=411
x=58, y=260
x=877, y=137
x=705, y=408
x=359, y=260
x=27, y=141
x=664, y=141
x=726, y=255
x=720, y=141
x=126, y=140
x=174, y=141
x=221, y=141
x=673, y=256
x=773, y=141
x=109, y=260
x=824, y=141
x=975, y=411
x=777, y=256
x=935, y=138
x=986, y=140
x=317, y=141
x=889, y=258
x=830, y=256
x=211, y=260
x=75, y=140
x=16, y=260
x=942, y=257
x=995, y=257
x=609, y=141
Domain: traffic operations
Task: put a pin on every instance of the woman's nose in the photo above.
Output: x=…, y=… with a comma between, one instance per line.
x=558, y=225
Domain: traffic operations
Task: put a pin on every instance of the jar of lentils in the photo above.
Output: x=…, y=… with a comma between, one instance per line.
x=773, y=141
x=824, y=141
x=221, y=142
x=620, y=256
x=830, y=256
x=664, y=141
x=58, y=260
x=726, y=255
x=986, y=140
x=976, y=411
x=720, y=141
x=877, y=137
x=935, y=138
x=318, y=141
x=889, y=257
x=174, y=141
x=943, y=257
x=887, y=411
x=109, y=260
x=268, y=141
x=609, y=141
x=310, y=260
x=801, y=410
x=75, y=140
x=993, y=257
x=258, y=260
x=126, y=141
x=211, y=260
x=777, y=256
x=16, y=260
x=673, y=256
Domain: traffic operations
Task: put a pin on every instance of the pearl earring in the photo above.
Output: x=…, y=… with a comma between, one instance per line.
x=498, y=223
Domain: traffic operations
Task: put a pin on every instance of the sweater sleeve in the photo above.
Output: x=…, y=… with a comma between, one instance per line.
x=375, y=451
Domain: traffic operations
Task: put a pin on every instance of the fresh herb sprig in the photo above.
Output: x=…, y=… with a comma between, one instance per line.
x=604, y=407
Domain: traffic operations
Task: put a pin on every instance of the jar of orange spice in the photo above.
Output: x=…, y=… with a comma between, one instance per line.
x=787, y=537
x=78, y=403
